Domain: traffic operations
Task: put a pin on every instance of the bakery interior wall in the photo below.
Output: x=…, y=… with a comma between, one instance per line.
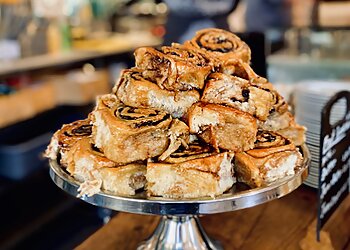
x=57, y=55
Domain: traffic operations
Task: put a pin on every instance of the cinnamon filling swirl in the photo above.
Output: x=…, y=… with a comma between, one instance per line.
x=83, y=130
x=73, y=132
x=193, y=150
x=268, y=143
x=136, y=75
x=141, y=117
x=220, y=43
x=179, y=52
x=267, y=139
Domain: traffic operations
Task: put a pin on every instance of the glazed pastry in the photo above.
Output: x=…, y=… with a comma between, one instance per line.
x=175, y=68
x=220, y=45
x=133, y=90
x=96, y=172
x=126, y=134
x=285, y=125
x=236, y=92
x=272, y=158
x=223, y=127
x=66, y=137
x=194, y=172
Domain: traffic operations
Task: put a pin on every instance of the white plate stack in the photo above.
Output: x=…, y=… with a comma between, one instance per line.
x=310, y=98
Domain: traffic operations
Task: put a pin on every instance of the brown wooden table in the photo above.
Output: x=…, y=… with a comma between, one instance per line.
x=286, y=223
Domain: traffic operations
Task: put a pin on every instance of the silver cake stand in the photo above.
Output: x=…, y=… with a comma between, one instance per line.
x=179, y=227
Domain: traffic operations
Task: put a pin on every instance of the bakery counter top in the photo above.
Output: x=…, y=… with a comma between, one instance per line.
x=286, y=223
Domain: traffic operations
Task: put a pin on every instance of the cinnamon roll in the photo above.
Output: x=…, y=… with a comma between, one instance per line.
x=220, y=45
x=133, y=90
x=65, y=138
x=175, y=68
x=192, y=172
x=236, y=92
x=71, y=145
x=236, y=67
x=285, y=125
x=88, y=165
x=277, y=121
x=272, y=158
x=296, y=133
x=126, y=134
x=223, y=127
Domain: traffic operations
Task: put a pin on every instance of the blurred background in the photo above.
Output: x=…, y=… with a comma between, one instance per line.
x=57, y=55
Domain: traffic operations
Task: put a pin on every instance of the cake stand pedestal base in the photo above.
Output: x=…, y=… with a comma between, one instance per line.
x=179, y=232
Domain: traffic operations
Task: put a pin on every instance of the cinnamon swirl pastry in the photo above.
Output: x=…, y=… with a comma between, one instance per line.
x=236, y=92
x=66, y=137
x=295, y=133
x=96, y=172
x=277, y=121
x=126, y=134
x=223, y=127
x=192, y=172
x=240, y=69
x=220, y=45
x=133, y=90
x=175, y=68
x=285, y=125
x=236, y=67
x=272, y=158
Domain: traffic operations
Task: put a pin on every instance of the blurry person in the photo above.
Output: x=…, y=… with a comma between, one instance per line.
x=271, y=17
x=188, y=16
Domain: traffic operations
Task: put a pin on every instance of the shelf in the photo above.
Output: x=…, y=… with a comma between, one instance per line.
x=87, y=50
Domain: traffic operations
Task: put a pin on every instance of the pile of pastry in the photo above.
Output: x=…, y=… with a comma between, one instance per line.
x=189, y=120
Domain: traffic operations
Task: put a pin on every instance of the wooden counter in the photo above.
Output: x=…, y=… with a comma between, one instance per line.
x=286, y=223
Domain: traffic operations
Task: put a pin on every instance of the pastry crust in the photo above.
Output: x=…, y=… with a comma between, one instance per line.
x=127, y=134
x=239, y=68
x=295, y=132
x=96, y=172
x=191, y=175
x=285, y=125
x=72, y=143
x=223, y=127
x=133, y=90
x=66, y=137
x=175, y=68
x=273, y=158
x=237, y=92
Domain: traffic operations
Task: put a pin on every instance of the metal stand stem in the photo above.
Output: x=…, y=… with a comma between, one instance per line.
x=179, y=232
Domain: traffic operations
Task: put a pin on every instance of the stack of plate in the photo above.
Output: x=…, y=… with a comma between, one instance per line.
x=310, y=98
